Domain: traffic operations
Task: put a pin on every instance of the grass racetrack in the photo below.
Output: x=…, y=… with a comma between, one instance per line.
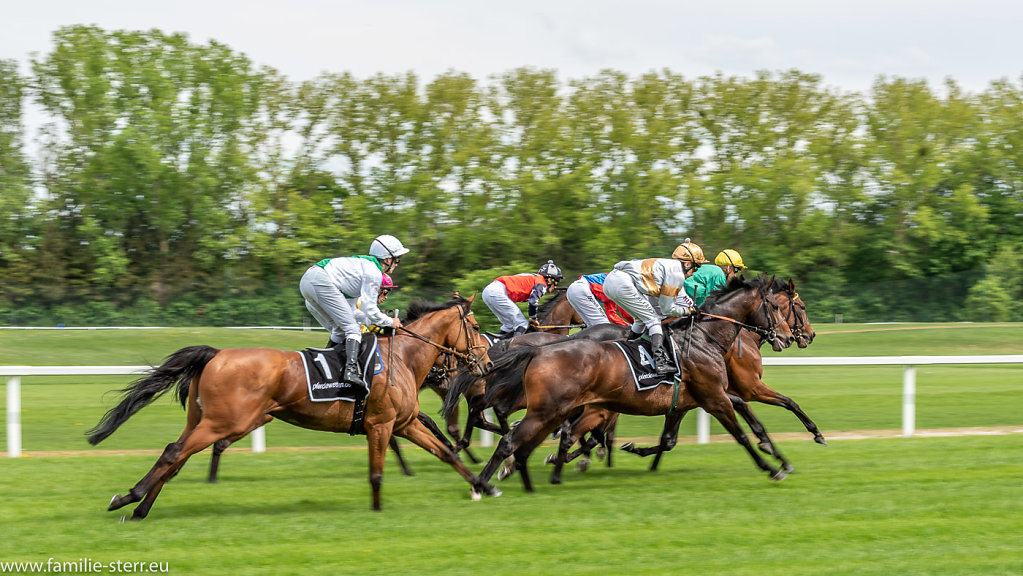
x=889, y=505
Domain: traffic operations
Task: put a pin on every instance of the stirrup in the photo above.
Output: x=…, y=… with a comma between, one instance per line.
x=352, y=376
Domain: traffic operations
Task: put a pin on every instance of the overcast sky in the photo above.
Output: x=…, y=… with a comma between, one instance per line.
x=848, y=42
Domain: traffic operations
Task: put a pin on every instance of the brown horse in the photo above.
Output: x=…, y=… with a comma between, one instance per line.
x=229, y=392
x=563, y=377
x=745, y=372
x=743, y=387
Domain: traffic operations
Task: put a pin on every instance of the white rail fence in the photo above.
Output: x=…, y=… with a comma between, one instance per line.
x=909, y=364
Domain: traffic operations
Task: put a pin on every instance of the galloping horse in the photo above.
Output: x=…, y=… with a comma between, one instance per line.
x=562, y=377
x=230, y=392
x=745, y=372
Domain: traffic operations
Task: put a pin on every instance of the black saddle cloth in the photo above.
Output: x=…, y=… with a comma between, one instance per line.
x=641, y=363
x=324, y=368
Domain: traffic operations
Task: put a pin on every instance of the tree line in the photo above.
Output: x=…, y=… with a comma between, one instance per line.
x=177, y=182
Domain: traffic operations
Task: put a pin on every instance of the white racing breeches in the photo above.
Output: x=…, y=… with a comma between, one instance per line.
x=495, y=295
x=329, y=306
x=620, y=289
x=585, y=303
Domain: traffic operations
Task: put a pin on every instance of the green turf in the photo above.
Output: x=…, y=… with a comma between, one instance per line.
x=863, y=507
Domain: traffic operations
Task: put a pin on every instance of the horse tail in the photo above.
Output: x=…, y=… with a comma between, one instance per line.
x=456, y=389
x=504, y=382
x=179, y=368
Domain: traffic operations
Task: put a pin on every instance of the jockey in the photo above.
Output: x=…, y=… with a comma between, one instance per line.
x=587, y=296
x=710, y=278
x=651, y=290
x=332, y=286
x=502, y=294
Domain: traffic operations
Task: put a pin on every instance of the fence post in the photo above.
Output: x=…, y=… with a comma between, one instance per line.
x=259, y=439
x=908, y=400
x=702, y=426
x=14, y=416
x=486, y=436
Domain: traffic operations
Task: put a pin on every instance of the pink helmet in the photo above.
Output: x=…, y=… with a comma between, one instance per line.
x=386, y=282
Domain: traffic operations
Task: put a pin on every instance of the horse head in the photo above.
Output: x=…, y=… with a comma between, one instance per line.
x=754, y=304
x=796, y=317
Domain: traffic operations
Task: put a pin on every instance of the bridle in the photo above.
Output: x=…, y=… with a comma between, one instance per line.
x=769, y=334
x=468, y=357
x=797, y=323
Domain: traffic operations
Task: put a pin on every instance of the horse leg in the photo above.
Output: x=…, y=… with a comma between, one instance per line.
x=218, y=448
x=721, y=408
x=378, y=436
x=762, y=393
x=454, y=432
x=393, y=444
x=419, y=434
x=563, y=445
x=173, y=458
x=220, y=445
x=668, y=440
x=609, y=437
x=766, y=445
x=534, y=433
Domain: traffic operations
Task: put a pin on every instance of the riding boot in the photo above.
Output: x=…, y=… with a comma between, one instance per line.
x=351, y=375
x=662, y=361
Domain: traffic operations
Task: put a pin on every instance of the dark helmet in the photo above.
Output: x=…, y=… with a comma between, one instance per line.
x=550, y=270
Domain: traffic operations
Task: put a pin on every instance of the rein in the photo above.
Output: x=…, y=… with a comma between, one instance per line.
x=769, y=334
x=465, y=357
x=556, y=327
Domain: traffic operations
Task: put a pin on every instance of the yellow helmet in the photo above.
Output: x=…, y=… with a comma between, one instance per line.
x=689, y=252
x=730, y=258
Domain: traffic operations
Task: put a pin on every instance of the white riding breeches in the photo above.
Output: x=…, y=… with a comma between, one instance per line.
x=622, y=291
x=329, y=306
x=495, y=295
x=585, y=303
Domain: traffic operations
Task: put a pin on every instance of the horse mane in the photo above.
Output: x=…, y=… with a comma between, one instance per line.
x=547, y=306
x=418, y=309
x=770, y=283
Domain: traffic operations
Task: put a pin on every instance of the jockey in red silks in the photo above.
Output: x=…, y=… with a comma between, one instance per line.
x=502, y=294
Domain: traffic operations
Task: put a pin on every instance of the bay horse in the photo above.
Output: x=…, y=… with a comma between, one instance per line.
x=561, y=378
x=744, y=363
x=474, y=389
x=229, y=392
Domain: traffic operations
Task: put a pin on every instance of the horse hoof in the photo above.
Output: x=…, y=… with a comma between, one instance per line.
x=476, y=496
x=779, y=475
x=504, y=473
x=124, y=519
x=628, y=446
x=549, y=459
x=583, y=465
x=601, y=452
x=789, y=468
x=555, y=480
x=820, y=440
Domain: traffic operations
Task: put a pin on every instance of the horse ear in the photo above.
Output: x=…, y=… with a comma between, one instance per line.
x=471, y=298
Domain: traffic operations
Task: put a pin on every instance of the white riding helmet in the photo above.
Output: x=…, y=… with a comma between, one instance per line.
x=386, y=246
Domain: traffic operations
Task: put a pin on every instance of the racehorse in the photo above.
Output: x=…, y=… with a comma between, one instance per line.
x=745, y=372
x=474, y=389
x=562, y=377
x=229, y=392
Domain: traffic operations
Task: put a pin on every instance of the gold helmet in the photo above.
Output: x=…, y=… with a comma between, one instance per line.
x=689, y=252
x=730, y=258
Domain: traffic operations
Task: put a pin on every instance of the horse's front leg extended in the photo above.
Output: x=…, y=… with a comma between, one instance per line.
x=766, y=445
x=721, y=408
x=378, y=436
